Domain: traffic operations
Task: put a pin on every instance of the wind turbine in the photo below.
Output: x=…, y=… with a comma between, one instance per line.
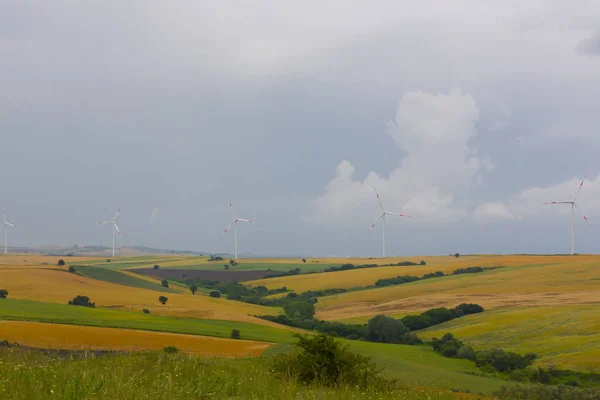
x=382, y=217
x=235, y=224
x=573, y=207
x=6, y=225
x=115, y=227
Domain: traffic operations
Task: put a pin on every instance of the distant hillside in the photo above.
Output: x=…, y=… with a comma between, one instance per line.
x=96, y=251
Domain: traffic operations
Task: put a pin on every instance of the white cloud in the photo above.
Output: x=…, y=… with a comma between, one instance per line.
x=434, y=132
x=491, y=212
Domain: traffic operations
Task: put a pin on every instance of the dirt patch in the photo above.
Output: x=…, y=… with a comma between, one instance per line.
x=221, y=276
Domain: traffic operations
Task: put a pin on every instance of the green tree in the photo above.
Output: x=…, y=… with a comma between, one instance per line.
x=304, y=260
x=61, y=263
x=193, y=288
x=156, y=267
x=72, y=269
x=215, y=293
x=225, y=267
x=165, y=283
x=384, y=329
x=163, y=299
x=235, y=334
x=299, y=310
x=3, y=293
x=81, y=301
x=456, y=255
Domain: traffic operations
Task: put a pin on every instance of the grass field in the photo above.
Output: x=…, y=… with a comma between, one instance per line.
x=84, y=338
x=565, y=336
x=157, y=376
x=120, y=278
x=23, y=310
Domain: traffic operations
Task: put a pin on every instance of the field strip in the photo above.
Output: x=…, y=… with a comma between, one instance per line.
x=490, y=301
x=72, y=337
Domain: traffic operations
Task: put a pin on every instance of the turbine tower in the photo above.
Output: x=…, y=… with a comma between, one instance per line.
x=573, y=205
x=235, y=224
x=115, y=227
x=382, y=217
x=6, y=225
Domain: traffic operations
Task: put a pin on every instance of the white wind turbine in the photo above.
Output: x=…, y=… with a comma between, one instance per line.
x=6, y=225
x=573, y=207
x=115, y=227
x=382, y=217
x=235, y=224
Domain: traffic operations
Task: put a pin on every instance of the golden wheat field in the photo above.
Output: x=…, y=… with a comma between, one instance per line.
x=55, y=285
x=71, y=337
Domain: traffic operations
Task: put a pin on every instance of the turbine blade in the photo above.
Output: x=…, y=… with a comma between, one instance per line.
x=117, y=228
x=226, y=229
x=377, y=220
x=117, y=213
x=397, y=215
x=232, y=210
x=378, y=199
x=584, y=217
x=105, y=222
x=11, y=225
x=579, y=190
x=558, y=202
x=246, y=220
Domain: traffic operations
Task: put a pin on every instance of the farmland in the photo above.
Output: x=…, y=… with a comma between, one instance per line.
x=541, y=304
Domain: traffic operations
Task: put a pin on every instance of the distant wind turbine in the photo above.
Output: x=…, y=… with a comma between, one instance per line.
x=115, y=227
x=235, y=224
x=6, y=225
x=573, y=207
x=382, y=217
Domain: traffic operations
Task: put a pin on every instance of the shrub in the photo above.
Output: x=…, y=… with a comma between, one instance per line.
x=384, y=329
x=3, y=293
x=235, y=334
x=82, y=301
x=422, y=262
x=501, y=360
x=226, y=267
x=171, y=350
x=466, y=352
x=72, y=269
x=300, y=309
x=324, y=360
x=61, y=263
x=215, y=293
x=163, y=299
x=156, y=267
x=303, y=260
x=146, y=311
x=165, y=283
x=108, y=260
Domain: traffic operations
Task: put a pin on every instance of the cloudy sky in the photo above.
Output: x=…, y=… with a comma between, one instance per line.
x=465, y=115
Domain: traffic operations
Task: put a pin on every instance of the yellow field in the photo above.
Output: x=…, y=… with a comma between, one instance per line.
x=565, y=336
x=58, y=286
x=33, y=259
x=70, y=337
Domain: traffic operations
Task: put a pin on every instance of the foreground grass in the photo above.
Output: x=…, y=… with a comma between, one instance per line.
x=33, y=376
x=112, y=276
x=25, y=310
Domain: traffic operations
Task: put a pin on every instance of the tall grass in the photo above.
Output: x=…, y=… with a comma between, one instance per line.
x=33, y=376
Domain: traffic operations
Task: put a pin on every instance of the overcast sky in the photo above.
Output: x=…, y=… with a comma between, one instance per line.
x=465, y=115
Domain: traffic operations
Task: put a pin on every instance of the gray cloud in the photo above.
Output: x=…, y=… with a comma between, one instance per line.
x=590, y=45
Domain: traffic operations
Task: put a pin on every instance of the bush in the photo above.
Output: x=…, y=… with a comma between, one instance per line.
x=163, y=299
x=225, y=267
x=193, y=288
x=165, y=283
x=324, y=360
x=235, y=334
x=156, y=267
x=300, y=309
x=72, y=269
x=108, y=260
x=3, y=293
x=466, y=352
x=501, y=360
x=61, y=263
x=171, y=350
x=303, y=260
x=82, y=301
x=215, y=293
x=422, y=262
x=146, y=311
x=384, y=329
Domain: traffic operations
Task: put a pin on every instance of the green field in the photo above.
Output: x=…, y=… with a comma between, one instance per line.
x=34, y=376
x=25, y=310
x=112, y=276
x=249, y=266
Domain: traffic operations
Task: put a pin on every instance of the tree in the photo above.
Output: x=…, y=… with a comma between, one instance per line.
x=215, y=293
x=300, y=309
x=163, y=299
x=193, y=288
x=82, y=301
x=156, y=267
x=235, y=334
x=304, y=260
x=231, y=262
x=165, y=283
x=72, y=269
x=385, y=329
x=422, y=262
x=61, y=263
x=456, y=255
x=226, y=267
x=146, y=311
x=3, y=293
